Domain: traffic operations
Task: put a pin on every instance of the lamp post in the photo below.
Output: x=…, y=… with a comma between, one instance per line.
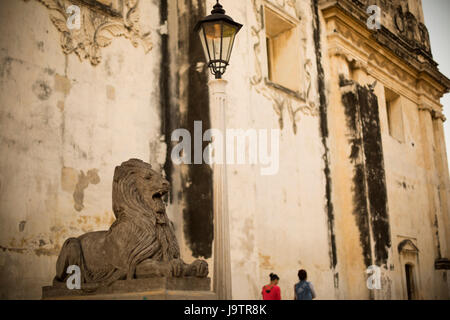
x=217, y=33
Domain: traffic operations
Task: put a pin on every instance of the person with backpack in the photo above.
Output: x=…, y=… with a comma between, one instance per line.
x=303, y=290
x=272, y=290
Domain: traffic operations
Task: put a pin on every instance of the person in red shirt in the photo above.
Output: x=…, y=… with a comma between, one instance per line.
x=272, y=291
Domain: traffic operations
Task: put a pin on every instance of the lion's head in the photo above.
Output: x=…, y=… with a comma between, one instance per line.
x=138, y=191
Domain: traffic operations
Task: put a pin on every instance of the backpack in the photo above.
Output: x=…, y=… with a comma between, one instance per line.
x=303, y=291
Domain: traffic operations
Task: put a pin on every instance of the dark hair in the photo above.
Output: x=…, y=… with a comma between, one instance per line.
x=273, y=277
x=302, y=274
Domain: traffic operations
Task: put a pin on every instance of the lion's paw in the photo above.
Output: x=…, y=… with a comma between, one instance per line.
x=200, y=268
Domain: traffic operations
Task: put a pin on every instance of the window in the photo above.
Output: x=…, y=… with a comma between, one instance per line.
x=394, y=115
x=283, y=50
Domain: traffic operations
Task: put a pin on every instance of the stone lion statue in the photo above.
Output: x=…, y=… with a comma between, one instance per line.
x=140, y=243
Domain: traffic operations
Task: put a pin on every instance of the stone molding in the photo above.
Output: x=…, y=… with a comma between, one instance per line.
x=398, y=23
x=442, y=264
x=100, y=24
x=283, y=99
x=435, y=114
x=359, y=47
x=407, y=246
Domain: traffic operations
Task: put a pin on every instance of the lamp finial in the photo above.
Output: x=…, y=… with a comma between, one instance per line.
x=218, y=8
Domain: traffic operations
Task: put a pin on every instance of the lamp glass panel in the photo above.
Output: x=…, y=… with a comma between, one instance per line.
x=229, y=33
x=213, y=32
x=201, y=34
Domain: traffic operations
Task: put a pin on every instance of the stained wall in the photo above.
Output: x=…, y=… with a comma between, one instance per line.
x=64, y=125
x=66, y=122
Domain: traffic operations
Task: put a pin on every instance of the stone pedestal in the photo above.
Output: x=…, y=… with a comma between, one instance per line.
x=137, y=289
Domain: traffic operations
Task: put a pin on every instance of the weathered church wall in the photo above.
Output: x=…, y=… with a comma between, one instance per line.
x=345, y=195
x=64, y=125
x=192, y=184
x=414, y=198
x=278, y=222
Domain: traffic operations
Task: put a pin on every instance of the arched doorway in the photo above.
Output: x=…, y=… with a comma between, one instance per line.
x=409, y=260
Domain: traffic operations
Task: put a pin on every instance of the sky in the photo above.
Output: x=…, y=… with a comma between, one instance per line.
x=437, y=20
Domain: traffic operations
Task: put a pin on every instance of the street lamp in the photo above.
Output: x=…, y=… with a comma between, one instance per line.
x=217, y=32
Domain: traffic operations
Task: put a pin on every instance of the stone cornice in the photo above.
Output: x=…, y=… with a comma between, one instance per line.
x=415, y=77
x=435, y=114
x=382, y=44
